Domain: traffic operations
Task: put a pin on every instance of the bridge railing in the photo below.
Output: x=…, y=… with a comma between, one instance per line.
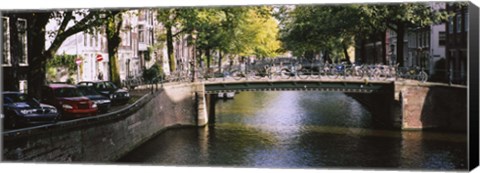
x=296, y=70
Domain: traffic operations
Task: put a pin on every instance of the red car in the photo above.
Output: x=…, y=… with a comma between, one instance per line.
x=68, y=100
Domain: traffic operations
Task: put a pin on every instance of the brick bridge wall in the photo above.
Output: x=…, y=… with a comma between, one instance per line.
x=416, y=106
x=104, y=138
x=433, y=106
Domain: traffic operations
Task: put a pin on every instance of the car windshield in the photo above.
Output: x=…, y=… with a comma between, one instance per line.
x=87, y=91
x=17, y=98
x=105, y=86
x=67, y=92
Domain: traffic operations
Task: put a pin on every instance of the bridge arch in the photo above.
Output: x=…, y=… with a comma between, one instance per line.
x=368, y=94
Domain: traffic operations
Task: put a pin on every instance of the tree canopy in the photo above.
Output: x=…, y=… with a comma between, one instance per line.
x=242, y=31
x=331, y=28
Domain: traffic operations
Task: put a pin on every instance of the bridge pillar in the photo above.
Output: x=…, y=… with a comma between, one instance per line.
x=202, y=116
x=210, y=100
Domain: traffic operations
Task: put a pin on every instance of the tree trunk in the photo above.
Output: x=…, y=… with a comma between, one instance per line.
x=363, y=51
x=384, y=46
x=207, y=54
x=199, y=58
x=400, y=35
x=113, y=39
x=375, y=55
x=345, y=51
x=36, y=49
x=171, y=57
x=220, y=61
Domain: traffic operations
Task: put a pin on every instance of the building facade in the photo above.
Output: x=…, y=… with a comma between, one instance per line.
x=456, y=42
x=135, y=52
x=426, y=47
x=14, y=52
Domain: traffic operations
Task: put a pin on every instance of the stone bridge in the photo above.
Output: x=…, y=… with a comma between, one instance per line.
x=105, y=138
x=407, y=104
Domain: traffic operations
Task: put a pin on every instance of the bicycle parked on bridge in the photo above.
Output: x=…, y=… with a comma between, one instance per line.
x=341, y=69
x=243, y=72
x=292, y=69
x=206, y=74
x=415, y=73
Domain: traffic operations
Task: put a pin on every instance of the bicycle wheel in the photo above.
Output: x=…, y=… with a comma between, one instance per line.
x=256, y=75
x=315, y=73
x=359, y=74
x=284, y=74
x=375, y=74
x=302, y=74
x=321, y=72
x=348, y=73
x=237, y=75
x=383, y=74
x=334, y=73
x=330, y=72
x=423, y=76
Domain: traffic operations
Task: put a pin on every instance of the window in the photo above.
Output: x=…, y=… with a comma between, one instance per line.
x=23, y=86
x=420, y=39
x=441, y=38
x=126, y=38
x=459, y=23
x=91, y=41
x=141, y=36
x=6, y=41
x=427, y=39
x=22, y=36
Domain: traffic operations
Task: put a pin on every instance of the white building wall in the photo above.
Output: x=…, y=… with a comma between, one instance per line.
x=437, y=51
x=88, y=46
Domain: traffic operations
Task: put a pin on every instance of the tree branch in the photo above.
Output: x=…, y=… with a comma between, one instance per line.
x=88, y=21
x=66, y=20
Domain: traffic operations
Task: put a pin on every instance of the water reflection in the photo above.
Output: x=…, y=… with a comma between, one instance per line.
x=300, y=130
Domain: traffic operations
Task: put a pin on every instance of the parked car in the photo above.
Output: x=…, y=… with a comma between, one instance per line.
x=110, y=90
x=103, y=103
x=21, y=110
x=68, y=101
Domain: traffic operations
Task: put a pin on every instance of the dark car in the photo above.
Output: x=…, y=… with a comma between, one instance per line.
x=21, y=110
x=110, y=90
x=103, y=103
x=68, y=100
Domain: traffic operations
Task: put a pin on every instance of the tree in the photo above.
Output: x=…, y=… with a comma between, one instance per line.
x=241, y=31
x=261, y=33
x=401, y=17
x=69, y=22
x=313, y=29
x=113, y=28
x=172, y=18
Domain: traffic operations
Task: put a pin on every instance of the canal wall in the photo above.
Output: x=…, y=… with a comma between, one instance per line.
x=107, y=137
x=433, y=107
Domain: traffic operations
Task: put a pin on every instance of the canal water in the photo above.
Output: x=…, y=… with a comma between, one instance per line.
x=300, y=130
